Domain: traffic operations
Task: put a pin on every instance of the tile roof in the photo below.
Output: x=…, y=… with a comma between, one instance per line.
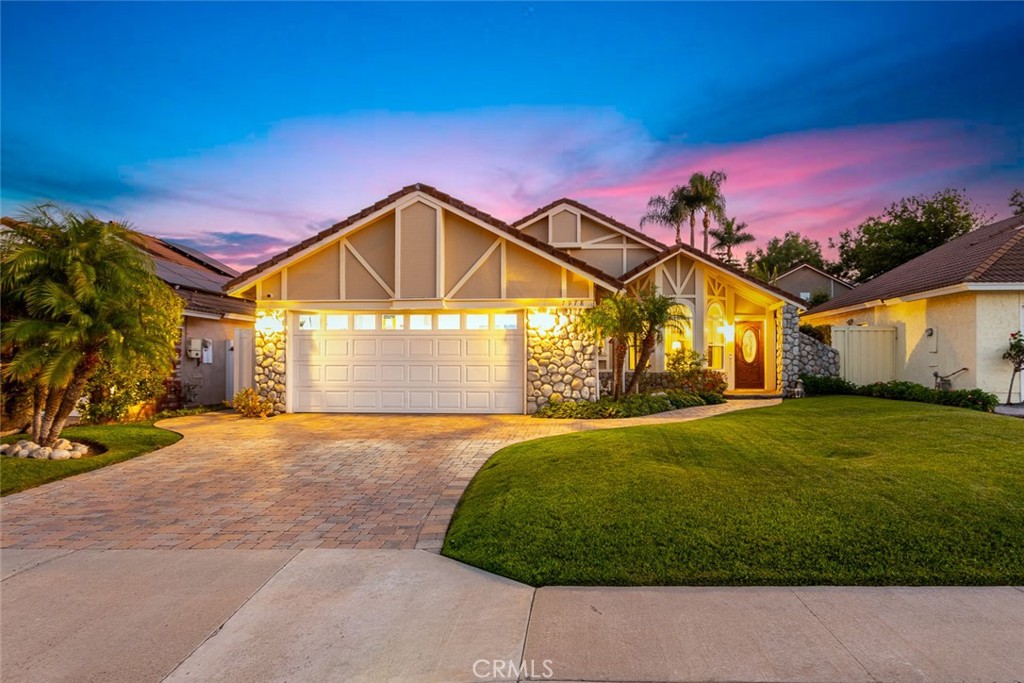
x=596, y=214
x=993, y=253
x=444, y=198
x=718, y=263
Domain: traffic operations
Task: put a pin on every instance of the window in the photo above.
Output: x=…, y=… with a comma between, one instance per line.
x=365, y=321
x=391, y=321
x=506, y=321
x=476, y=321
x=309, y=321
x=337, y=322
x=420, y=321
x=806, y=296
x=679, y=334
x=448, y=321
x=716, y=338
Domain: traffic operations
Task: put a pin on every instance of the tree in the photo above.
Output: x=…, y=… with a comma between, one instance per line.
x=783, y=254
x=904, y=231
x=705, y=192
x=615, y=318
x=655, y=313
x=1015, y=354
x=730, y=235
x=1017, y=202
x=818, y=297
x=671, y=210
x=85, y=295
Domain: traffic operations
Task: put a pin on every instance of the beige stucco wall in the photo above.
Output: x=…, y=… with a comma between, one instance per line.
x=999, y=314
x=971, y=330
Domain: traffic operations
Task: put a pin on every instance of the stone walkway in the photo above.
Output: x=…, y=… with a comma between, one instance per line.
x=292, y=482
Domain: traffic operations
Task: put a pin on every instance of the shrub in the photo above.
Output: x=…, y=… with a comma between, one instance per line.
x=711, y=398
x=635, y=405
x=248, y=403
x=691, y=375
x=817, y=385
x=119, y=387
x=683, y=362
x=822, y=333
x=972, y=399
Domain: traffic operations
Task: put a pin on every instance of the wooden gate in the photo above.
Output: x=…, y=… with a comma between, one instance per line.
x=867, y=354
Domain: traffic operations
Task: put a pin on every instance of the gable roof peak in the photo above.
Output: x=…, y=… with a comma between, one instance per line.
x=594, y=213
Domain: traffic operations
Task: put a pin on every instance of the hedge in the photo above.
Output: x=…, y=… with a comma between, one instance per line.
x=972, y=399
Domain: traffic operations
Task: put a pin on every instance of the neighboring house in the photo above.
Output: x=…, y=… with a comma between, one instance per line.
x=210, y=327
x=951, y=308
x=422, y=303
x=805, y=280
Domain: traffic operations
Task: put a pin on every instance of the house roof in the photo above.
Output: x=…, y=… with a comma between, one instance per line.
x=632, y=232
x=993, y=253
x=195, y=277
x=844, y=283
x=718, y=263
x=493, y=222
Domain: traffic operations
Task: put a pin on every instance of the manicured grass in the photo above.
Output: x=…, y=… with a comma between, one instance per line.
x=122, y=442
x=836, y=490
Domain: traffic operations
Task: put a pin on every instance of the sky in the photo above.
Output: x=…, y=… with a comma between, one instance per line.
x=242, y=128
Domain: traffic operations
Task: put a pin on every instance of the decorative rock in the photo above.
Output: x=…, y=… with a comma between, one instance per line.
x=42, y=453
x=24, y=443
x=3, y=448
x=58, y=454
x=62, y=443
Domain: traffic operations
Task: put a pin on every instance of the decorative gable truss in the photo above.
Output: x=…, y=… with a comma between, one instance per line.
x=420, y=252
x=590, y=237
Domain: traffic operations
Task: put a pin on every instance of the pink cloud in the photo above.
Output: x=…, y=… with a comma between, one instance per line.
x=304, y=175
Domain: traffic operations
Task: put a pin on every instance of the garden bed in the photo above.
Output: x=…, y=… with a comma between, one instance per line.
x=635, y=405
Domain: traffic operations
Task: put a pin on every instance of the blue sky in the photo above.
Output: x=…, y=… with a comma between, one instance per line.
x=244, y=127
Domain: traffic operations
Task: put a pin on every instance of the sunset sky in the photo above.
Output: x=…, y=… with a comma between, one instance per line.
x=243, y=128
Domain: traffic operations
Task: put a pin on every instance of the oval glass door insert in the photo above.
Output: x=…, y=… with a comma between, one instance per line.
x=749, y=346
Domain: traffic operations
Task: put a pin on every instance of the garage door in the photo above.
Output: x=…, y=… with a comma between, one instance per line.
x=438, y=362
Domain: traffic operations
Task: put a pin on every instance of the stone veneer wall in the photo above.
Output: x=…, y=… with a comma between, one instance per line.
x=270, y=365
x=817, y=358
x=561, y=363
x=787, y=348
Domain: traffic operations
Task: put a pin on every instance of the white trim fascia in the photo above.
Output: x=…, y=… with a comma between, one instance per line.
x=995, y=286
x=188, y=313
x=428, y=304
x=240, y=316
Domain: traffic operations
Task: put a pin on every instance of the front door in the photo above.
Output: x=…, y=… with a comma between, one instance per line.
x=749, y=356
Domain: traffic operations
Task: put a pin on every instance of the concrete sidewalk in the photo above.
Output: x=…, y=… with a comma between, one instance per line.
x=347, y=615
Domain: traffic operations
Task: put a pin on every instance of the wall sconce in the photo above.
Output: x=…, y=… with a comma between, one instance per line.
x=542, y=320
x=677, y=346
x=269, y=322
x=929, y=332
x=727, y=331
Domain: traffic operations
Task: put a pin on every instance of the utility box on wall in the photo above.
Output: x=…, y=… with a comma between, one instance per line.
x=200, y=350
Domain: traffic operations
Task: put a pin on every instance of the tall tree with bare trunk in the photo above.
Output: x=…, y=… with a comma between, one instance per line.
x=84, y=293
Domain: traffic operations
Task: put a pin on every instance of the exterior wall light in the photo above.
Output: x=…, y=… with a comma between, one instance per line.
x=269, y=322
x=542, y=320
x=677, y=345
x=728, y=331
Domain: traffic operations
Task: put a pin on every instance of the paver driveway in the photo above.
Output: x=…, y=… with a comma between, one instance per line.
x=296, y=481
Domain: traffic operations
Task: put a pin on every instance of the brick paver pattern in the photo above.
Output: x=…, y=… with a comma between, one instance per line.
x=293, y=481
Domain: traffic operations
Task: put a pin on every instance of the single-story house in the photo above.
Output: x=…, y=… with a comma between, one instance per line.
x=953, y=307
x=211, y=326
x=422, y=303
x=805, y=281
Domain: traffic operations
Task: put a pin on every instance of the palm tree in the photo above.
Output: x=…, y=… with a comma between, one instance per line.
x=83, y=293
x=616, y=318
x=671, y=210
x=705, y=190
x=729, y=235
x=656, y=312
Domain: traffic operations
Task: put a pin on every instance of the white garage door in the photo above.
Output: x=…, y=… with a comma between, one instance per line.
x=406, y=362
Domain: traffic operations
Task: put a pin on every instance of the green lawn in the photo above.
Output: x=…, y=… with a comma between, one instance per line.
x=122, y=442
x=835, y=490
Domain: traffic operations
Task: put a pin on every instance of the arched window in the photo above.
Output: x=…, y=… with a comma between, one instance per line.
x=716, y=339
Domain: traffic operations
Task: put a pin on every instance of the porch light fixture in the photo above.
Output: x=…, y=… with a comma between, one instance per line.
x=728, y=331
x=269, y=322
x=542, y=320
x=677, y=345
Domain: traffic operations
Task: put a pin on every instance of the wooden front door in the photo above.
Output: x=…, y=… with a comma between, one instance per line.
x=749, y=355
